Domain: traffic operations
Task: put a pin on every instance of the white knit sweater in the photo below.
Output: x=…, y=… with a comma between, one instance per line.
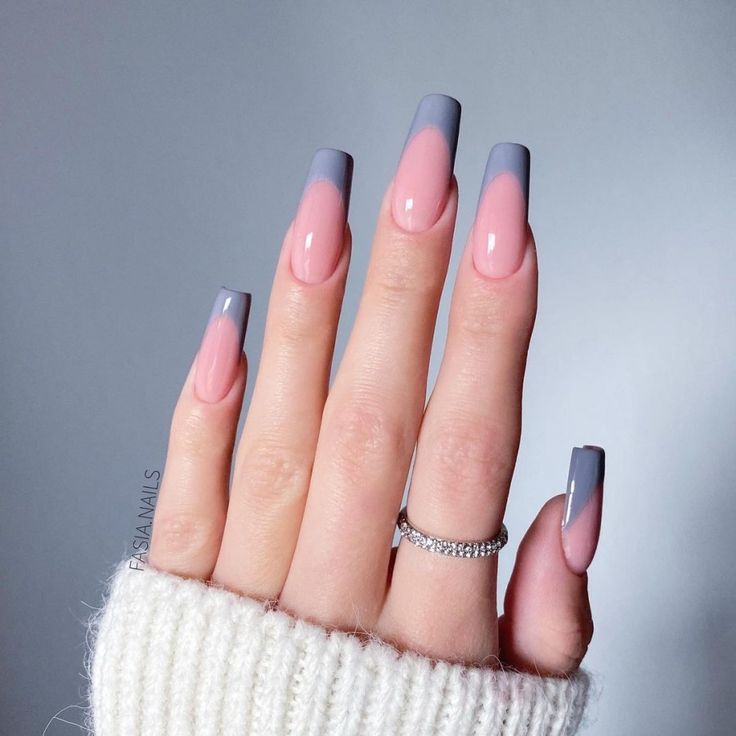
x=176, y=657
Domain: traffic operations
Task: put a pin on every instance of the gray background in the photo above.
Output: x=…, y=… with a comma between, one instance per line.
x=151, y=151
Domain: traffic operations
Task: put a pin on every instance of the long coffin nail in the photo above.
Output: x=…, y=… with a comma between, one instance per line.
x=425, y=169
x=319, y=227
x=500, y=228
x=222, y=345
x=581, y=523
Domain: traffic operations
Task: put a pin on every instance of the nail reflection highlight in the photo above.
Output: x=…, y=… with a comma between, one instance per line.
x=500, y=229
x=318, y=234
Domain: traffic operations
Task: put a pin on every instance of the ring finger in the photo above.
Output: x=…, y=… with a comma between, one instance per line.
x=470, y=433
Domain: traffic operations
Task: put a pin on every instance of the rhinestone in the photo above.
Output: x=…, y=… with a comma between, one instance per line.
x=451, y=547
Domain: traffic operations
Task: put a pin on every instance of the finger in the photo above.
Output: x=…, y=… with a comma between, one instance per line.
x=190, y=511
x=276, y=451
x=373, y=412
x=547, y=623
x=470, y=433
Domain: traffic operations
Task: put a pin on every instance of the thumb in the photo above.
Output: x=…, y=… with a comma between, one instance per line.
x=547, y=623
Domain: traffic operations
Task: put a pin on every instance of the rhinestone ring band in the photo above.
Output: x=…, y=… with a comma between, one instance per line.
x=451, y=547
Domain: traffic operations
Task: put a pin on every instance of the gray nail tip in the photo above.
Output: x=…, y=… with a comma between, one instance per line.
x=585, y=477
x=235, y=292
x=438, y=111
x=514, y=158
x=441, y=96
x=334, y=156
x=440, y=107
x=331, y=164
x=511, y=148
x=596, y=448
x=236, y=305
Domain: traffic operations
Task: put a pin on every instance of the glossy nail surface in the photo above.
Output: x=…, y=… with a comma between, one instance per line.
x=318, y=235
x=222, y=345
x=500, y=228
x=581, y=523
x=423, y=177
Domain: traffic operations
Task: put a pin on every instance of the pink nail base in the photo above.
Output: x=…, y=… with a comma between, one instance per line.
x=580, y=536
x=422, y=181
x=500, y=228
x=319, y=233
x=217, y=360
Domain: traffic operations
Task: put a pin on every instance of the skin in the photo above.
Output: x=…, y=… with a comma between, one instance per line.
x=319, y=471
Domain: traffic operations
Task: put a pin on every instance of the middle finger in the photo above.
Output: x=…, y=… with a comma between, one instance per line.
x=372, y=414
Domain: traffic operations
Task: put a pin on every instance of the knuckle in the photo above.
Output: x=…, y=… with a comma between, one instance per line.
x=402, y=274
x=186, y=535
x=274, y=470
x=470, y=455
x=363, y=433
x=480, y=316
x=566, y=645
x=193, y=436
x=488, y=315
x=294, y=323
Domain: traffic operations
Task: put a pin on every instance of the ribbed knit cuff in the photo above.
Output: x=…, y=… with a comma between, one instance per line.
x=175, y=656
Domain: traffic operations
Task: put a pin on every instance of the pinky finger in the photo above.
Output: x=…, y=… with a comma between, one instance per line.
x=190, y=513
x=547, y=623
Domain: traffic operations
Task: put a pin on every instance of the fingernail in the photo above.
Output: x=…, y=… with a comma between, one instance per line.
x=581, y=523
x=222, y=345
x=319, y=227
x=422, y=179
x=500, y=228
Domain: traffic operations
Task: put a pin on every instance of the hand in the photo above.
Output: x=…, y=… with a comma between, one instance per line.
x=319, y=475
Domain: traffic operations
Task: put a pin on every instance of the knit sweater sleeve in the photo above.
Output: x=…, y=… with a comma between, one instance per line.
x=176, y=656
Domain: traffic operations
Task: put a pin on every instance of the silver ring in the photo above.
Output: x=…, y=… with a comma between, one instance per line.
x=451, y=547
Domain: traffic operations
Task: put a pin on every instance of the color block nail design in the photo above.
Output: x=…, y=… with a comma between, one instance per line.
x=581, y=523
x=423, y=177
x=222, y=345
x=500, y=228
x=319, y=227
